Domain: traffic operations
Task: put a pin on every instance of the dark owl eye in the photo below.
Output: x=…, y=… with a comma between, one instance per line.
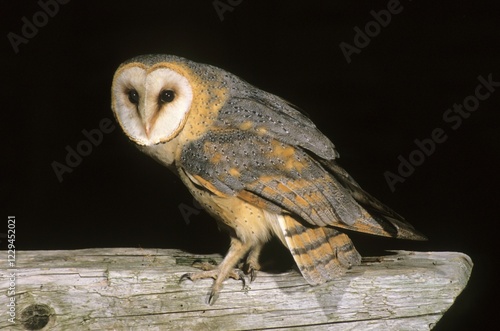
x=133, y=96
x=167, y=96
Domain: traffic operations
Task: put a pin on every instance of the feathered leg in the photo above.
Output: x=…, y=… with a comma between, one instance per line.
x=252, y=264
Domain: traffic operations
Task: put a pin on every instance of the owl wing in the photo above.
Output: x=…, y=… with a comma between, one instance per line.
x=263, y=113
x=286, y=178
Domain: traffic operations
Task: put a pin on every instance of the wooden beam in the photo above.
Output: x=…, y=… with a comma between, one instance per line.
x=139, y=289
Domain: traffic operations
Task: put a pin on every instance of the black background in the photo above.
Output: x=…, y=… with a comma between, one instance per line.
x=393, y=92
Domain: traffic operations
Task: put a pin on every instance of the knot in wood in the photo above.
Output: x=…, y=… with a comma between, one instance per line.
x=36, y=316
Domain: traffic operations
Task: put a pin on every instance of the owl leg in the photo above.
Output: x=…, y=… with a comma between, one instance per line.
x=224, y=270
x=252, y=264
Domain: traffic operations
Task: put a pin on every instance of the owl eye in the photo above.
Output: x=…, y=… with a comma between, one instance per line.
x=166, y=96
x=133, y=96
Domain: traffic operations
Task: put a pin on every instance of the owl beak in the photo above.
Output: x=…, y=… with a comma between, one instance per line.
x=149, y=126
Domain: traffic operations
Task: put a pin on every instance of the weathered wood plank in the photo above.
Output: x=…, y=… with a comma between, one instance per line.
x=138, y=289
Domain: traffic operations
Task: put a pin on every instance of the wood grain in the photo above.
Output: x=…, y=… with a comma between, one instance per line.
x=139, y=289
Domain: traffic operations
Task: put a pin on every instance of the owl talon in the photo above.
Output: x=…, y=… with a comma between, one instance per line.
x=252, y=264
x=253, y=275
x=241, y=276
x=211, y=271
x=185, y=276
x=251, y=269
x=212, y=297
x=235, y=274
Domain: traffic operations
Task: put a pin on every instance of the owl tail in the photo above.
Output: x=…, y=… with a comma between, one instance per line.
x=321, y=253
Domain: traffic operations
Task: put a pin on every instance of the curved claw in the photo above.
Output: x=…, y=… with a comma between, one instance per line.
x=242, y=277
x=253, y=275
x=211, y=271
x=185, y=276
x=212, y=297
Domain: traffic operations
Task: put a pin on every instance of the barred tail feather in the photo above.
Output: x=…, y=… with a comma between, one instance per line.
x=321, y=253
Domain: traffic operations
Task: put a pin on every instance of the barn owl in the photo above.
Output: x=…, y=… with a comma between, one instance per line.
x=254, y=161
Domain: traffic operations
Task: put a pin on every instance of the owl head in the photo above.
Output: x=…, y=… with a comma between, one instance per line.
x=162, y=102
x=151, y=98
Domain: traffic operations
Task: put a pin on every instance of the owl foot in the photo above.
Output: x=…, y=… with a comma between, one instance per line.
x=250, y=268
x=212, y=271
x=226, y=269
x=252, y=264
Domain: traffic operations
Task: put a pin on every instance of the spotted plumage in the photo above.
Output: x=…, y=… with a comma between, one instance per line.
x=253, y=161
